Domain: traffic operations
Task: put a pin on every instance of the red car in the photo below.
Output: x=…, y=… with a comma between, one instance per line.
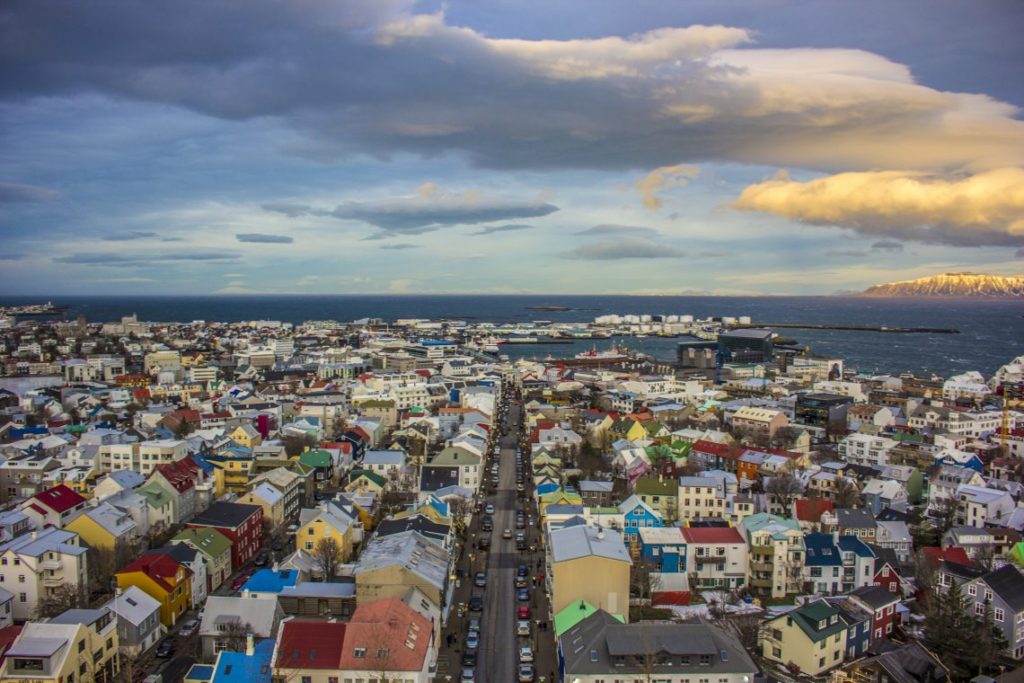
x=523, y=613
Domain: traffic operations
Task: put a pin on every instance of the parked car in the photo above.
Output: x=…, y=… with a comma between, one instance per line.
x=523, y=595
x=472, y=640
x=165, y=649
x=522, y=627
x=476, y=604
x=480, y=580
x=468, y=676
x=525, y=654
x=485, y=543
x=521, y=582
x=261, y=560
x=489, y=509
x=520, y=535
x=526, y=673
x=469, y=660
x=521, y=546
x=474, y=624
x=188, y=628
x=522, y=570
x=523, y=612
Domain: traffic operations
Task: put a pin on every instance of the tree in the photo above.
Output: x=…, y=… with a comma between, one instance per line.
x=943, y=513
x=327, y=553
x=59, y=600
x=644, y=580
x=846, y=494
x=924, y=573
x=234, y=635
x=785, y=488
x=955, y=636
x=294, y=444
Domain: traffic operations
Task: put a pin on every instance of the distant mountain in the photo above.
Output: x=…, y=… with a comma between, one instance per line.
x=953, y=285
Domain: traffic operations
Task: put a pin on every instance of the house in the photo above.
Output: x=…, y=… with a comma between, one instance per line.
x=881, y=604
x=105, y=526
x=242, y=524
x=390, y=465
x=716, y=557
x=882, y=494
x=836, y=563
x=138, y=620
x=858, y=626
x=911, y=662
x=389, y=565
x=758, y=422
x=336, y=600
x=215, y=550
x=54, y=507
x=815, y=514
x=660, y=493
x=701, y=497
x=812, y=637
x=776, y=554
x=979, y=506
x=227, y=620
x=388, y=636
x=584, y=563
x=163, y=578
x=309, y=650
x=270, y=582
x=857, y=522
x=180, y=479
x=600, y=648
x=328, y=520
x=246, y=436
x=254, y=665
x=272, y=502
x=896, y=537
x=596, y=493
x=79, y=642
x=289, y=484
x=191, y=558
x=36, y=564
x=888, y=575
x=663, y=549
x=1002, y=590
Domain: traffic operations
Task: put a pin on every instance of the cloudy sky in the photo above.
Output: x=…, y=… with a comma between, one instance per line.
x=505, y=146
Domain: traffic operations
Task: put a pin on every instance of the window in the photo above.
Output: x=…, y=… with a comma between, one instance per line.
x=307, y=679
x=776, y=652
x=972, y=589
x=998, y=614
x=979, y=609
x=359, y=652
x=988, y=595
x=21, y=578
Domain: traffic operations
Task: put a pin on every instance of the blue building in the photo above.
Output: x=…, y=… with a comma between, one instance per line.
x=823, y=566
x=637, y=515
x=663, y=548
x=858, y=627
x=271, y=581
x=251, y=666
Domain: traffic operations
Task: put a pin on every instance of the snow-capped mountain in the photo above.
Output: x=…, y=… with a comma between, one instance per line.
x=953, y=285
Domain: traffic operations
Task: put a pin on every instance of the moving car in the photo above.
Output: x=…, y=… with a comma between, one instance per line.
x=507, y=533
x=521, y=570
x=522, y=627
x=525, y=654
x=469, y=660
x=476, y=604
x=468, y=676
x=523, y=612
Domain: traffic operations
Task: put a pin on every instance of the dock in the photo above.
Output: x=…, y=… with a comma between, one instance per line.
x=851, y=328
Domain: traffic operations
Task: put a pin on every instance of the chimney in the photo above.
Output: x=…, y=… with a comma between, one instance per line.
x=250, y=644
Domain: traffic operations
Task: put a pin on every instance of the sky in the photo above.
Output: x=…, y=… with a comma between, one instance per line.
x=507, y=146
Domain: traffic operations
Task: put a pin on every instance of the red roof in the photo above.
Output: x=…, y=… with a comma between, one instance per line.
x=310, y=644
x=391, y=624
x=181, y=474
x=811, y=509
x=711, y=448
x=158, y=566
x=936, y=556
x=712, y=534
x=343, y=446
x=141, y=393
x=59, y=499
x=8, y=635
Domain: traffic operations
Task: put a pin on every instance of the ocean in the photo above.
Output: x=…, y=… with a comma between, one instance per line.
x=991, y=331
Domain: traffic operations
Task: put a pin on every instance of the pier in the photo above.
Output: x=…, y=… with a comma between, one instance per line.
x=851, y=328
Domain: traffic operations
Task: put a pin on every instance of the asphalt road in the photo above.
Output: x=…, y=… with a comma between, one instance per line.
x=499, y=655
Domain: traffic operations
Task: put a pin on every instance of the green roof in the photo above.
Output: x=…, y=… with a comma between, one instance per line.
x=650, y=486
x=574, y=614
x=372, y=476
x=208, y=541
x=315, y=458
x=377, y=403
x=907, y=437
x=809, y=616
x=156, y=496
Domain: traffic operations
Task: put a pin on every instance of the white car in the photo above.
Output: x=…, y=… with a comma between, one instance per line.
x=522, y=628
x=525, y=654
x=188, y=628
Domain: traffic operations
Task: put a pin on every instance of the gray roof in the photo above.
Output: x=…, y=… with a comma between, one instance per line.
x=410, y=549
x=319, y=589
x=134, y=605
x=260, y=612
x=601, y=644
x=574, y=542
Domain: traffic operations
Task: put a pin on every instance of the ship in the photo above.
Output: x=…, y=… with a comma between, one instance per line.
x=608, y=354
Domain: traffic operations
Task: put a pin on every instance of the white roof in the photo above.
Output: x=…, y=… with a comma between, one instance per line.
x=268, y=493
x=134, y=605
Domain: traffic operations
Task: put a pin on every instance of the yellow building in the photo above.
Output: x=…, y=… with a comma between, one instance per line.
x=326, y=521
x=164, y=579
x=272, y=502
x=104, y=526
x=78, y=645
x=245, y=435
x=813, y=637
x=589, y=564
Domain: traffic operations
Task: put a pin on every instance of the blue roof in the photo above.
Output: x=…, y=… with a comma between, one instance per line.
x=238, y=667
x=270, y=581
x=855, y=545
x=822, y=551
x=547, y=488
x=199, y=672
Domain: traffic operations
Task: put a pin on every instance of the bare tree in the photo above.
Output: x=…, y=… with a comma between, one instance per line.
x=327, y=553
x=59, y=600
x=943, y=512
x=785, y=488
x=924, y=572
x=234, y=635
x=846, y=494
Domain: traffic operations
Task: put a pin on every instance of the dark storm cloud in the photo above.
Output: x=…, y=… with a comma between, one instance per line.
x=511, y=227
x=263, y=238
x=13, y=192
x=117, y=259
x=129, y=236
x=611, y=229
x=400, y=246
x=635, y=248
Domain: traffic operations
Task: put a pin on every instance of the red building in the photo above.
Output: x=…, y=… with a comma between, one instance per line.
x=888, y=576
x=882, y=605
x=241, y=523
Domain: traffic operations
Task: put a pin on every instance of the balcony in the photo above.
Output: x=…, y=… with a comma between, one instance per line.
x=762, y=566
x=51, y=565
x=53, y=581
x=761, y=583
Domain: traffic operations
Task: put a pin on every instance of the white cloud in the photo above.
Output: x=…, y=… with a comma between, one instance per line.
x=627, y=248
x=982, y=209
x=661, y=179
